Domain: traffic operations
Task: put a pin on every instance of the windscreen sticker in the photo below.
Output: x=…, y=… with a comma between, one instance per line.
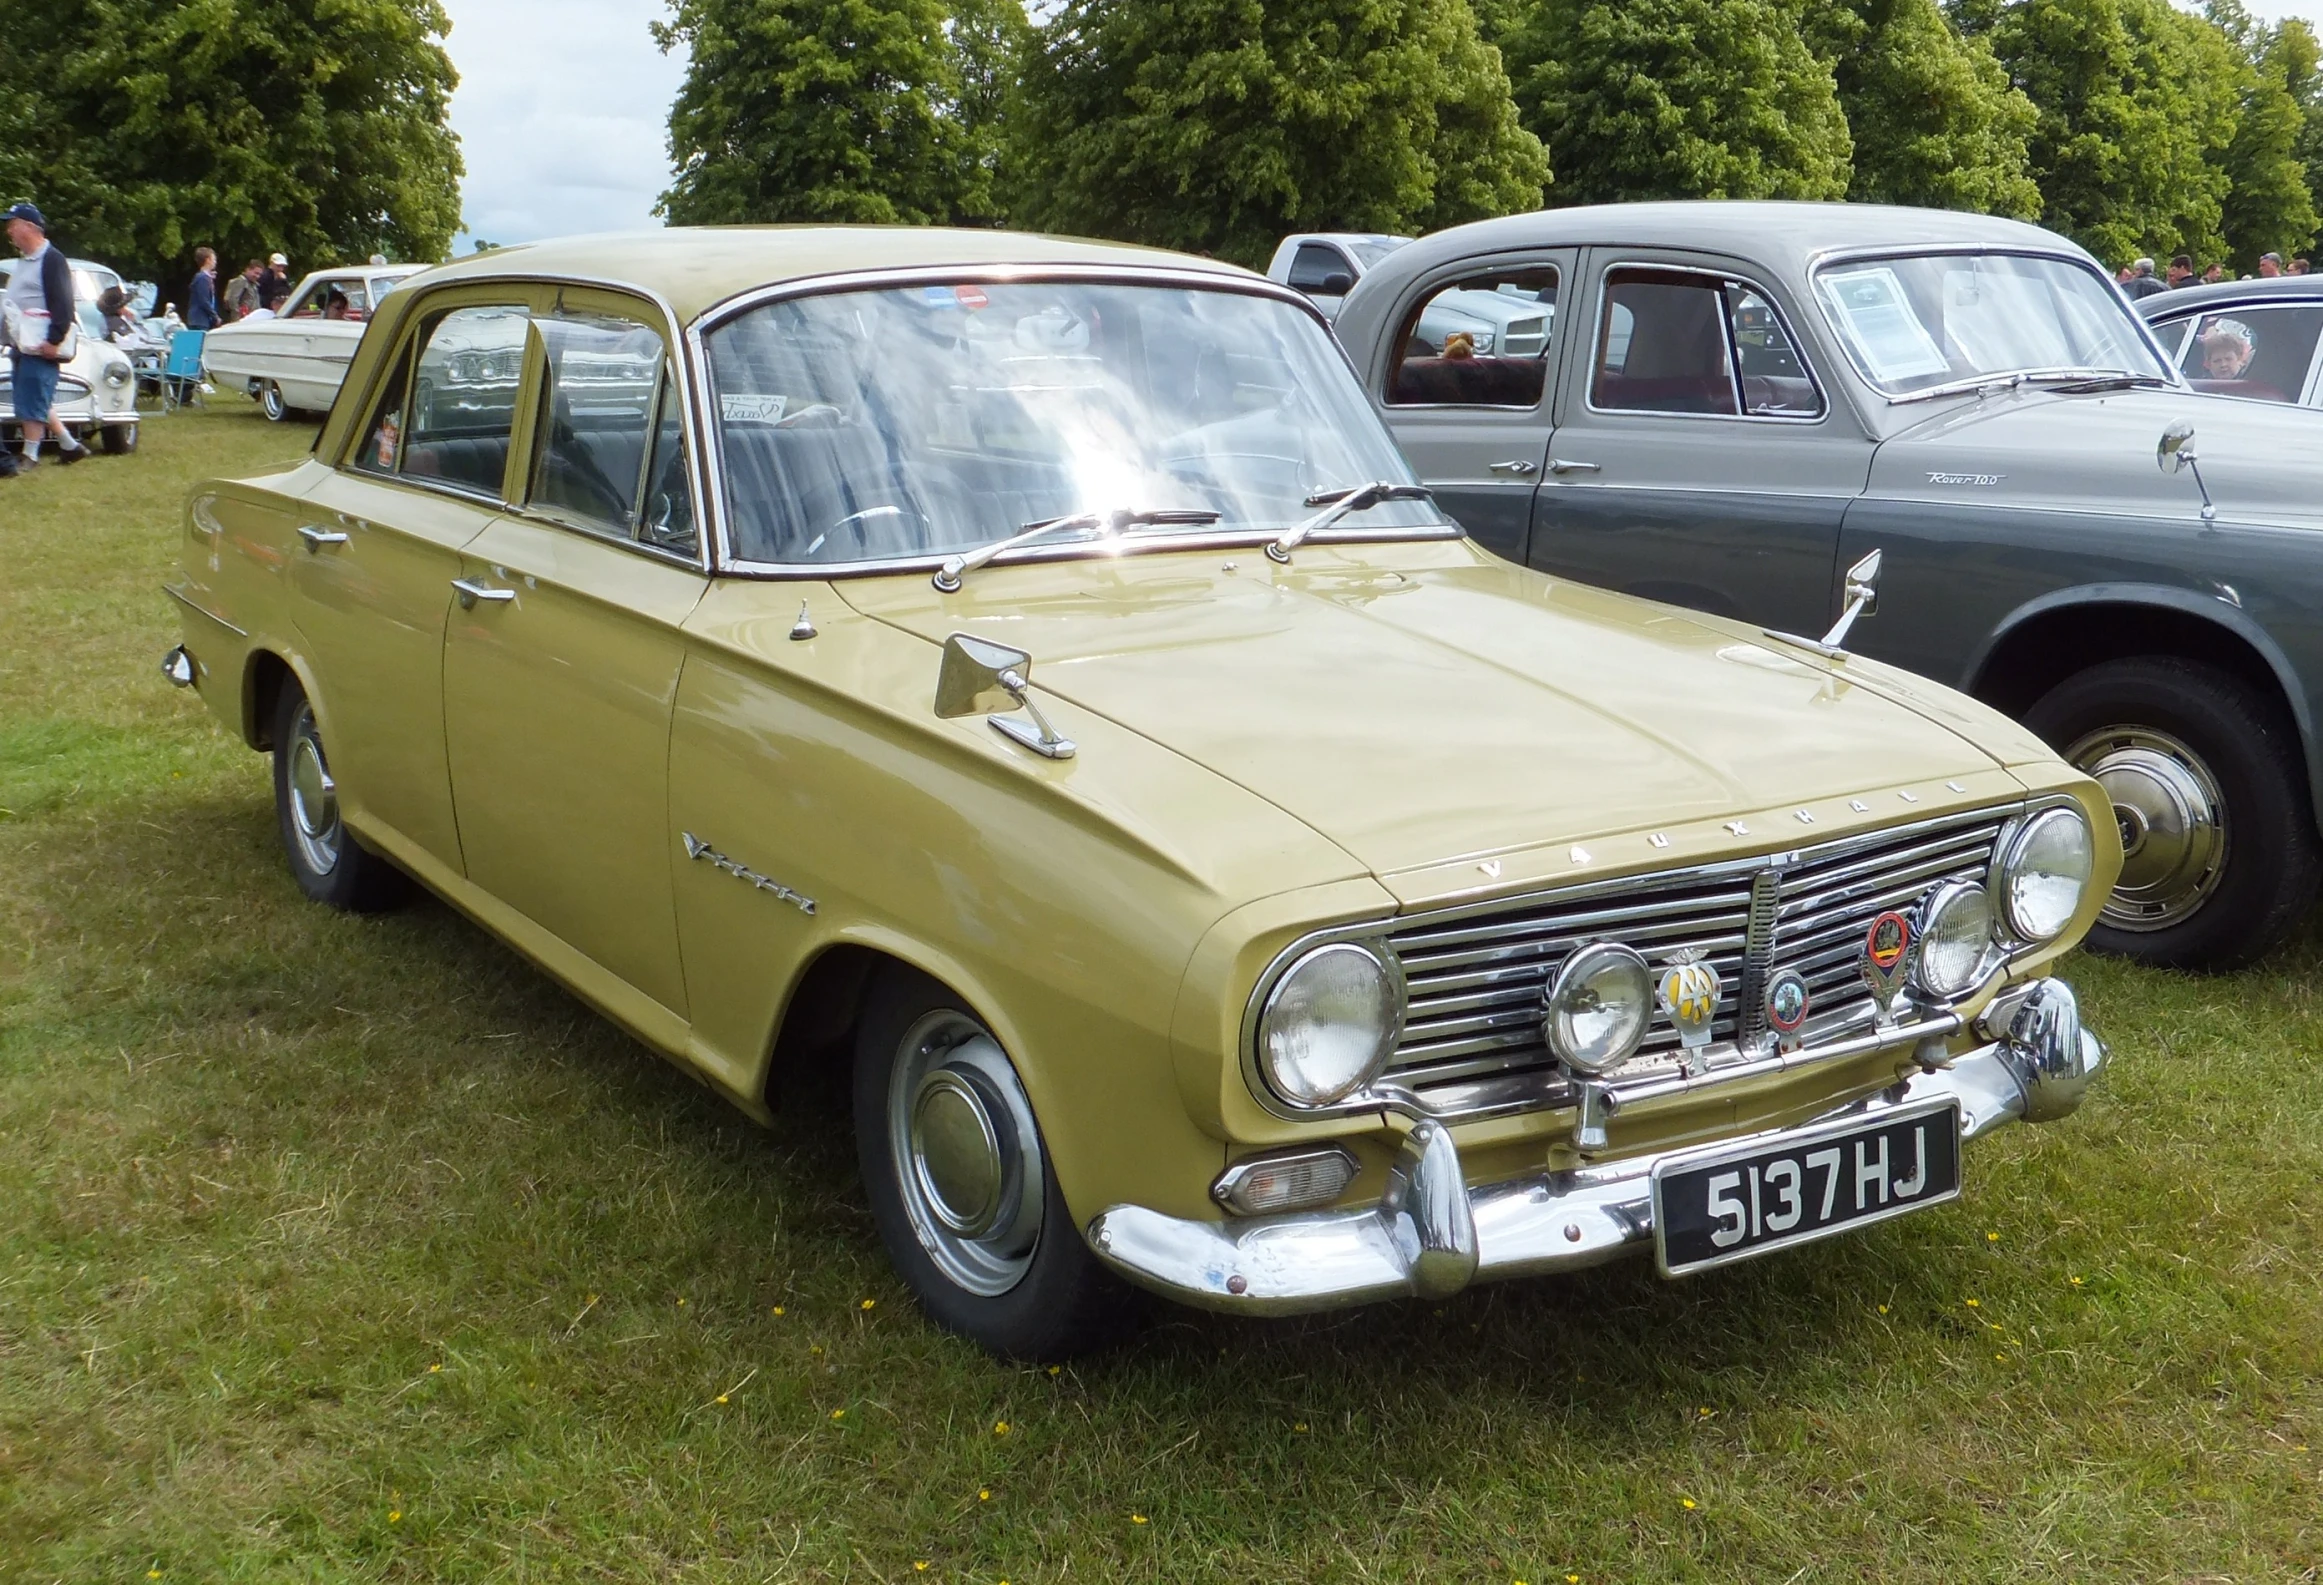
x=753, y=409
x=1879, y=321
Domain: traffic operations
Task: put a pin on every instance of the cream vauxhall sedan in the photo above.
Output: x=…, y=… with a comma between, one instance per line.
x=1026, y=673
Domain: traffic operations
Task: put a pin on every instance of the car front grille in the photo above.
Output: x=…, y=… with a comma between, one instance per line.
x=1476, y=977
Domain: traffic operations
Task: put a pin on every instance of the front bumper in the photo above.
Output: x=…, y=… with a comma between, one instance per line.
x=1431, y=1235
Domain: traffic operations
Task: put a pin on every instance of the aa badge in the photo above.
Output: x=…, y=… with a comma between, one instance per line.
x=1690, y=993
x=1887, y=957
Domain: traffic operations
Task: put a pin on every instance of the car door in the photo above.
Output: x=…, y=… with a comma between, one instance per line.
x=1466, y=387
x=562, y=656
x=372, y=570
x=1699, y=458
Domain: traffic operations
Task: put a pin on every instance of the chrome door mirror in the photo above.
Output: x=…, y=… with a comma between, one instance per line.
x=2176, y=454
x=1862, y=600
x=979, y=677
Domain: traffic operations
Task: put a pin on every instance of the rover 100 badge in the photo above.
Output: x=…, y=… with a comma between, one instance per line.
x=1787, y=1003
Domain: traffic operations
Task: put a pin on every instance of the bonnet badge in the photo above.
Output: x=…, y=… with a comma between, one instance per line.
x=1887, y=957
x=1690, y=991
x=1787, y=1002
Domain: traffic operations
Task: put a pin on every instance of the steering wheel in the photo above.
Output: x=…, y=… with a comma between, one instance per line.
x=857, y=526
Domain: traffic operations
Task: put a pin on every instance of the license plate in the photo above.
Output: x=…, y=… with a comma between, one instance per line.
x=1807, y=1185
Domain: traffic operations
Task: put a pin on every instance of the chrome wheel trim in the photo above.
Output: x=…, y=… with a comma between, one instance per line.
x=967, y=1154
x=270, y=399
x=2173, y=823
x=314, y=796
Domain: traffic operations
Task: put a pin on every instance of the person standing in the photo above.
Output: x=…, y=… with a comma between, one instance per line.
x=2270, y=265
x=274, y=285
x=2181, y=272
x=2141, y=282
x=242, y=291
x=202, y=295
x=40, y=303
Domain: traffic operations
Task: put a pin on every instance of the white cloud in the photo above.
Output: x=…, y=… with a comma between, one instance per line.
x=563, y=115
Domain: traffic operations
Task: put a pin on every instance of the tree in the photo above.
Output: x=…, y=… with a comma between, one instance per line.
x=1219, y=125
x=826, y=110
x=1678, y=99
x=318, y=127
x=2302, y=58
x=2270, y=207
x=1934, y=119
x=2137, y=104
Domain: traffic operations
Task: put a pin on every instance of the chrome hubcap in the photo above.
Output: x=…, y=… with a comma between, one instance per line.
x=967, y=1152
x=314, y=797
x=2172, y=819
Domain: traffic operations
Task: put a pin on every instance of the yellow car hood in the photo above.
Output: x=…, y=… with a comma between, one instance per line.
x=1422, y=703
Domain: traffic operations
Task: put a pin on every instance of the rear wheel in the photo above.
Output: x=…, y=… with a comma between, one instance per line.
x=272, y=403
x=959, y=1181
x=326, y=860
x=2219, y=851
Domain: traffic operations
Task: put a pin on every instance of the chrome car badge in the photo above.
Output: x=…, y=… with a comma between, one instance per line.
x=1690, y=991
x=1787, y=1003
x=1887, y=957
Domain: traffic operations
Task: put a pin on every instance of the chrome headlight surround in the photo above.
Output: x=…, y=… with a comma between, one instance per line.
x=1608, y=982
x=2040, y=874
x=1958, y=936
x=1328, y=1024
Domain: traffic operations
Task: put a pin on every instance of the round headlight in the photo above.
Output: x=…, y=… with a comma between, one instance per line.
x=117, y=373
x=1955, y=938
x=1329, y=1024
x=1598, y=1007
x=2044, y=871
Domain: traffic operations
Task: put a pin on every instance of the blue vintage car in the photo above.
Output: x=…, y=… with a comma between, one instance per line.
x=1740, y=401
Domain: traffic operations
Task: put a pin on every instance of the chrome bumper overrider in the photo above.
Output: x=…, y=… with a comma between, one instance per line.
x=1431, y=1235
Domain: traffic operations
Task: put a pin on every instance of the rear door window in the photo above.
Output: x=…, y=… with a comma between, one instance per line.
x=2262, y=354
x=463, y=401
x=1675, y=341
x=602, y=397
x=1480, y=341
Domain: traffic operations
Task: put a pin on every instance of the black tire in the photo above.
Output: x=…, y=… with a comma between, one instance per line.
x=2166, y=734
x=120, y=439
x=1062, y=1302
x=326, y=860
x=270, y=402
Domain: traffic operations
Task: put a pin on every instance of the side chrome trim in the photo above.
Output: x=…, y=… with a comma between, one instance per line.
x=696, y=848
x=188, y=601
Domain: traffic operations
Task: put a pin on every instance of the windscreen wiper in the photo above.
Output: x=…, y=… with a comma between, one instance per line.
x=2097, y=384
x=1082, y=525
x=1337, y=504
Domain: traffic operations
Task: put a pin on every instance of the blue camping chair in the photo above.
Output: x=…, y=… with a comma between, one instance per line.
x=181, y=370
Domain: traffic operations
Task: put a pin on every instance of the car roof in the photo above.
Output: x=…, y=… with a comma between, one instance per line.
x=2193, y=299
x=695, y=268
x=1781, y=233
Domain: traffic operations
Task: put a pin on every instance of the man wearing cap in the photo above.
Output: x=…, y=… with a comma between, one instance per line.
x=39, y=311
x=274, y=285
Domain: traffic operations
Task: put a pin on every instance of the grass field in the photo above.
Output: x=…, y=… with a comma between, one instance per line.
x=354, y=1249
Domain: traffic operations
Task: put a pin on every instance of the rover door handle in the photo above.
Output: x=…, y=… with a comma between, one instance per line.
x=317, y=538
x=1559, y=465
x=473, y=594
x=1519, y=467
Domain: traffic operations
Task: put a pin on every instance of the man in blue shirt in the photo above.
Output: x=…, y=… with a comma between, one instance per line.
x=202, y=296
x=40, y=314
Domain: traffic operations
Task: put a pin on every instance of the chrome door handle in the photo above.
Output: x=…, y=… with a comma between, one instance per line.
x=473, y=594
x=1519, y=467
x=317, y=538
x=1560, y=465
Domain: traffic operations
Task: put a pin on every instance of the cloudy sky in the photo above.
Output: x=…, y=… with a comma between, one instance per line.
x=563, y=111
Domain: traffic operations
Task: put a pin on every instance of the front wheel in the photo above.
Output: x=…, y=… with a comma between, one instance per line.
x=959, y=1180
x=326, y=860
x=271, y=403
x=120, y=439
x=2219, y=851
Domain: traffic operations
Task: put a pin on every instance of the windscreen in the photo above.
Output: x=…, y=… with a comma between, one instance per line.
x=932, y=419
x=1914, y=323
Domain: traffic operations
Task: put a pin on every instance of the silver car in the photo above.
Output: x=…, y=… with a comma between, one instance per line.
x=1748, y=399
x=96, y=393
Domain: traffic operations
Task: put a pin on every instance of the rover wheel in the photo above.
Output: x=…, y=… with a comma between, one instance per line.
x=326, y=860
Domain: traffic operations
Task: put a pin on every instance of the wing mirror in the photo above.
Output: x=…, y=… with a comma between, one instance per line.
x=1862, y=600
x=1336, y=284
x=2176, y=454
x=979, y=677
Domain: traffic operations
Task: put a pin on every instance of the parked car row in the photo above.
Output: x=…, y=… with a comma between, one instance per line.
x=1029, y=675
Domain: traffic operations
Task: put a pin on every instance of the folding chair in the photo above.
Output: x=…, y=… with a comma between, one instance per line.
x=181, y=371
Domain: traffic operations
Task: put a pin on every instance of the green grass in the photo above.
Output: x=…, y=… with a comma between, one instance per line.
x=354, y=1249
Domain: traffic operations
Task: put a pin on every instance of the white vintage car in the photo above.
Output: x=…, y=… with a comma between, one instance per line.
x=294, y=361
x=96, y=395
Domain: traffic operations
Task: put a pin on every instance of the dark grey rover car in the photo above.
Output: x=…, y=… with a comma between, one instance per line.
x=1738, y=402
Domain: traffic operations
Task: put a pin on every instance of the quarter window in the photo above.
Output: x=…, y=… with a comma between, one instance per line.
x=1672, y=341
x=1482, y=341
x=463, y=405
x=601, y=384
x=2264, y=354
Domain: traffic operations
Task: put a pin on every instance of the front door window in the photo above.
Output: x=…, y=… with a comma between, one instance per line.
x=1674, y=341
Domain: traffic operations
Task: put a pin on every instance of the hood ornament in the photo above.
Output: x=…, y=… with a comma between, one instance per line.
x=1690, y=991
x=978, y=675
x=1888, y=948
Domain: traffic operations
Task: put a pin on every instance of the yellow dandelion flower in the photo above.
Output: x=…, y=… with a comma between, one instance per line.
x=1883, y=1309
x=1299, y=1425
x=814, y=1348
x=1704, y=1413
x=721, y=1397
x=984, y=1494
x=395, y=1516
x=919, y=1565
x=434, y=1369
x=2076, y=1282
x=2003, y=1358
x=1056, y=1370
x=1687, y=1501
x=778, y=1309
x=1137, y=1518
x=1972, y=1304
x=1000, y=1428
x=681, y=1304
x=154, y=1573
x=1992, y=1238
x=868, y=1303
x=1572, y=1579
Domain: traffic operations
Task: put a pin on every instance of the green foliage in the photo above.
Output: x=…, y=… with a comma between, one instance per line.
x=2271, y=206
x=852, y=111
x=1678, y=99
x=1934, y=118
x=1219, y=125
x=147, y=127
